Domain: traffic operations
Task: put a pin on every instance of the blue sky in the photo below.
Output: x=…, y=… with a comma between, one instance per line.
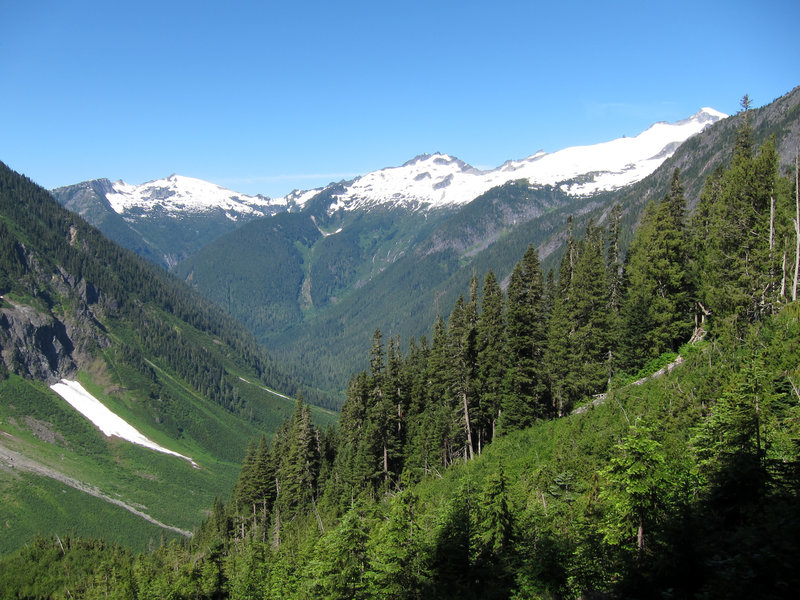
x=265, y=97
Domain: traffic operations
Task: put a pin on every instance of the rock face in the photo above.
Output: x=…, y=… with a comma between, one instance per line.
x=38, y=344
x=35, y=345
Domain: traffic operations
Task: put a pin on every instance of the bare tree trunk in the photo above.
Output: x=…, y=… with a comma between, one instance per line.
x=783, y=277
x=319, y=518
x=796, y=223
x=467, y=426
x=640, y=537
x=771, y=223
x=771, y=285
x=276, y=529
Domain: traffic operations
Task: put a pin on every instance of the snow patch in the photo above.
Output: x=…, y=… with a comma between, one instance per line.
x=178, y=195
x=431, y=181
x=107, y=421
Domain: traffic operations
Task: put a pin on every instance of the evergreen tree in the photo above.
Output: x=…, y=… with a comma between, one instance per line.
x=526, y=389
x=397, y=553
x=381, y=431
x=492, y=359
x=299, y=466
x=658, y=302
x=496, y=521
x=636, y=490
x=591, y=323
x=461, y=331
x=561, y=352
x=340, y=561
x=246, y=487
x=733, y=236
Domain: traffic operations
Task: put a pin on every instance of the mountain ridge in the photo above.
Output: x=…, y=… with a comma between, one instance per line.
x=177, y=195
x=75, y=306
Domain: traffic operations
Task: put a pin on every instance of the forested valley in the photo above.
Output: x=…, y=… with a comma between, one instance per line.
x=624, y=428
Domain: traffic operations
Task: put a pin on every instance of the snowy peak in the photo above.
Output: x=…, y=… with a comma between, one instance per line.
x=177, y=195
x=437, y=180
x=427, y=181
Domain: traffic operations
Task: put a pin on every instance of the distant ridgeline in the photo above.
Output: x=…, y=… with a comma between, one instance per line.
x=166, y=361
x=456, y=472
x=47, y=252
x=314, y=285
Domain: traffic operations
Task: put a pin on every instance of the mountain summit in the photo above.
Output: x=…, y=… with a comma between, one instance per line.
x=439, y=180
x=177, y=195
x=427, y=181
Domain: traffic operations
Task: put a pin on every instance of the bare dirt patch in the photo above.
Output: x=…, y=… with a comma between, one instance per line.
x=44, y=431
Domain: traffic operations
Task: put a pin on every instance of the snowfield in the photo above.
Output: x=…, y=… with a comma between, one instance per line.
x=431, y=181
x=108, y=422
x=177, y=195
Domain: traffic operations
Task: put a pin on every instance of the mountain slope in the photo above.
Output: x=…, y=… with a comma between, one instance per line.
x=493, y=231
x=434, y=181
x=167, y=219
x=75, y=306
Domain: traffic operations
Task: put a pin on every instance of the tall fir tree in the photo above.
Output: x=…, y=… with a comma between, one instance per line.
x=593, y=336
x=492, y=359
x=526, y=388
x=733, y=236
x=561, y=352
x=657, y=308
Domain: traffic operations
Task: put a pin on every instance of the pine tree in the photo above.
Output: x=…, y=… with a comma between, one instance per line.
x=492, y=359
x=461, y=333
x=658, y=302
x=340, y=561
x=430, y=444
x=636, y=489
x=591, y=335
x=496, y=521
x=397, y=555
x=561, y=350
x=245, y=490
x=733, y=236
x=299, y=466
x=526, y=389
x=381, y=430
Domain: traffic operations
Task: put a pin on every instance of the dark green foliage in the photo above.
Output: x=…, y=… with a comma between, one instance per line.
x=737, y=259
x=526, y=397
x=685, y=485
x=68, y=567
x=492, y=360
x=657, y=310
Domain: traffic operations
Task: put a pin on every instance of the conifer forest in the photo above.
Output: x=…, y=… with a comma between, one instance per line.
x=626, y=426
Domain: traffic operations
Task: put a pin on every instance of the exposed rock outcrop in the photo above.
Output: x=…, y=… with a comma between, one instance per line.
x=38, y=344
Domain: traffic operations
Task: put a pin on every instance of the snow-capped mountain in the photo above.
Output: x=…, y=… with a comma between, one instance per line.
x=432, y=181
x=426, y=181
x=164, y=220
x=178, y=195
x=169, y=219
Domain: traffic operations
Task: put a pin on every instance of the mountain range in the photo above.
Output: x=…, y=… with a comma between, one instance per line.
x=309, y=276
x=295, y=269
x=126, y=400
x=623, y=431
x=426, y=182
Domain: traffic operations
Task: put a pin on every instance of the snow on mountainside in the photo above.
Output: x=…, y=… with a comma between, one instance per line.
x=107, y=421
x=178, y=195
x=440, y=180
x=428, y=181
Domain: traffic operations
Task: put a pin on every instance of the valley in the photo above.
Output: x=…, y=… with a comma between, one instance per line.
x=371, y=393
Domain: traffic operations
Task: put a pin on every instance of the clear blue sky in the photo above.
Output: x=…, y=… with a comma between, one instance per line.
x=265, y=97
